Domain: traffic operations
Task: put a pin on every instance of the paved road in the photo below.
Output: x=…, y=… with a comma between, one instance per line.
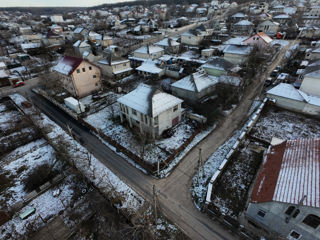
x=195, y=224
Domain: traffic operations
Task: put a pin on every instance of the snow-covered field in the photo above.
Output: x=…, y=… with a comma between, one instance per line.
x=275, y=122
x=94, y=170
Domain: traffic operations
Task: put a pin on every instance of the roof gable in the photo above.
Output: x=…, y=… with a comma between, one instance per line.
x=67, y=65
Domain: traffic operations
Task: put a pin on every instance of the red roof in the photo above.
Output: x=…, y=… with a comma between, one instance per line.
x=67, y=65
x=290, y=171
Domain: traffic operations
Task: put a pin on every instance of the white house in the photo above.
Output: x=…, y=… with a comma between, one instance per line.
x=286, y=195
x=260, y=40
x=115, y=67
x=150, y=111
x=150, y=69
x=269, y=27
x=243, y=27
x=194, y=87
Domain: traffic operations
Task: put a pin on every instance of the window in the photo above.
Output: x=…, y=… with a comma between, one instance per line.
x=90, y=68
x=94, y=76
x=261, y=213
x=290, y=210
x=312, y=221
x=296, y=213
x=294, y=235
x=175, y=108
x=83, y=69
x=137, y=122
x=97, y=84
x=134, y=112
x=78, y=70
x=124, y=64
x=156, y=120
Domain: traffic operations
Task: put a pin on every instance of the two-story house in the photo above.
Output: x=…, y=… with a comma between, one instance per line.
x=150, y=111
x=115, y=67
x=286, y=195
x=269, y=27
x=79, y=77
x=259, y=40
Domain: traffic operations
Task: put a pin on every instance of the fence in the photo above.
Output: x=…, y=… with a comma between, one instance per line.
x=243, y=134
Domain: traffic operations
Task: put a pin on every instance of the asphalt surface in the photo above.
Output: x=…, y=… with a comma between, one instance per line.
x=189, y=221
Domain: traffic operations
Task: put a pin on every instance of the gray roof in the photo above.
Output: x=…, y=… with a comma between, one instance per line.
x=238, y=49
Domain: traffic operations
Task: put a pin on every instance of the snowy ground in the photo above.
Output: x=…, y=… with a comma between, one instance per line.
x=94, y=170
x=199, y=184
x=107, y=120
x=275, y=122
x=230, y=191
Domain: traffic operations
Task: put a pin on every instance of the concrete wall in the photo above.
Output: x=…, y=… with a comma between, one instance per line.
x=289, y=104
x=235, y=58
x=146, y=55
x=165, y=118
x=275, y=219
x=311, y=86
x=84, y=82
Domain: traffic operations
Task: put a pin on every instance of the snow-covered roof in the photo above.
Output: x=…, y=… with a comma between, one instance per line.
x=25, y=46
x=149, y=100
x=67, y=65
x=244, y=23
x=230, y=80
x=236, y=40
x=78, y=30
x=166, y=42
x=150, y=67
x=3, y=74
x=149, y=49
x=290, y=174
x=195, y=82
x=287, y=91
x=2, y=65
x=238, y=49
x=281, y=16
x=218, y=63
x=314, y=74
x=238, y=15
x=313, y=100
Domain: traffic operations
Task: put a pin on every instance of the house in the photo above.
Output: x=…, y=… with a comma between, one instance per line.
x=259, y=40
x=286, y=195
x=148, y=51
x=314, y=11
x=106, y=41
x=311, y=83
x=78, y=76
x=269, y=27
x=150, y=111
x=243, y=27
x=4, y=78
x=237, y=54
x=57, y=19
x=313, y=54
x=150, y=69
x=53, y=39
x=238, y=17
x=81, y=47
x=282, y=18
x=217, y=67
x=115, y=67
x=169, y=45
x=194, y=87
x=25, y=30
x=56, y=28
x=288, y=97
x=195, y=36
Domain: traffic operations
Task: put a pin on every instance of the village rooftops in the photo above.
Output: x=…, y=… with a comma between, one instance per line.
x=150, y=67
x=195, y=82
x=67, y=65
x=149, y=100
x=218, y=63
x=287, y=91
x=244, y=23
x=238, y=15
x=149, y=49
x=238, y=49
x=290, y=173
x=167, y=42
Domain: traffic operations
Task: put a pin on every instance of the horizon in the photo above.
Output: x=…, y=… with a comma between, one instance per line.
x=58, y=3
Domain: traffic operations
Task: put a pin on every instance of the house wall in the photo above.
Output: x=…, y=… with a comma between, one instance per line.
x=243, y=28
x=256, y=41
x=84, y=82
x=311, y=86
x=313, y=55
x=275, y=219
x=106, y=42
x=289, y=104
x=235, y=58
x=268, y=27
x=191, y=96
x=191, y=40
x=146, y=55
x=214, y=72
x=165, y=119
x=81, y=50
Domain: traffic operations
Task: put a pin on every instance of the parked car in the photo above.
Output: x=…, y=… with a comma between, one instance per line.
x=17, y=84
x=274, y=73
x=268, y=82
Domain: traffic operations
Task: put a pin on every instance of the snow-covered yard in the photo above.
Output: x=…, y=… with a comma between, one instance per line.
x=108, y=121
x=276, y=122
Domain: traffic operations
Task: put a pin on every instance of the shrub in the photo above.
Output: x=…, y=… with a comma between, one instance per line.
x=38, y=176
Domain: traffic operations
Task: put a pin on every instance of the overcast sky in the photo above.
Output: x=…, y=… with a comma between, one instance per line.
x=55, y=3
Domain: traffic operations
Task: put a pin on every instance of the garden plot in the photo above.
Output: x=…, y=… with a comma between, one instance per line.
x=275, y=122
x=16, y=166
x=108, y=121
x=230, y=191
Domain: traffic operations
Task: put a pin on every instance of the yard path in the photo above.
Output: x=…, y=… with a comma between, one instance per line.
x=175, y=189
